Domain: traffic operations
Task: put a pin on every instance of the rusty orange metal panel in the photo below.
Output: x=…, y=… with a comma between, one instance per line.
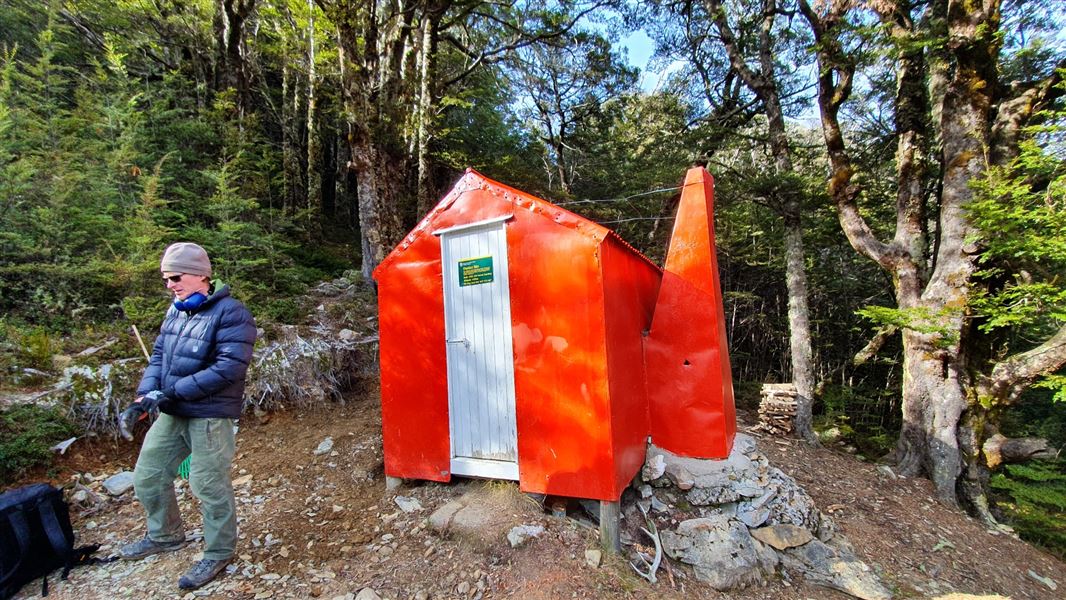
x=563, y=412
x=690, y=386
x=414, y=383
x=630, y=288
x=578, y=307
x=414, y=379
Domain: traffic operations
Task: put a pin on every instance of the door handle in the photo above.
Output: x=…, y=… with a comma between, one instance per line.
x=462, y=341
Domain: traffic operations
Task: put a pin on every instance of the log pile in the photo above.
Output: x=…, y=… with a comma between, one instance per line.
x=777, y=410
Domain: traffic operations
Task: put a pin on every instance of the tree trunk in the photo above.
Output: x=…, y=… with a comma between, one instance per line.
x=763, y=82
x=561, y=168
x=230, y=22
x=379, y=222
x=799, y=329
x=329, y=173
x=945, y=390
x=934, y=399
x=371, y=51
x=426, y=112
x=314, y=134
x=292, y=174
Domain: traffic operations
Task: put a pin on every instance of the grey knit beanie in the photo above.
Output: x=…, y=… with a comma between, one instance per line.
x=186, y=257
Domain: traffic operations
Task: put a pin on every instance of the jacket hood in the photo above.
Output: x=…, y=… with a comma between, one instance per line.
x=221, y=291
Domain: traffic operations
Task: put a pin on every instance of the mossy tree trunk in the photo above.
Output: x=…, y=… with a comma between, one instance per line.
x=945, y=385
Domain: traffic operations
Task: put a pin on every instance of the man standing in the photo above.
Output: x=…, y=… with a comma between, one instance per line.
x=195, y=379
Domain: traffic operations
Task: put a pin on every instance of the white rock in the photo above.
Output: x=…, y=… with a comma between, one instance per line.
x=1049, y=582
x=61, y=447
x=407, y=504
x=593, y=558
x=680, y=476
x=367, y=594
x=120, y=483
x=325, y=446
x=522, y=533
x=653, y=468
x=721, y=551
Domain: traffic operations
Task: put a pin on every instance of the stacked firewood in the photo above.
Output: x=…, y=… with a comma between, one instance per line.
x=777, y=410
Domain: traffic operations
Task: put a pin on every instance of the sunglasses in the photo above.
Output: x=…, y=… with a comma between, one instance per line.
x=173, y=278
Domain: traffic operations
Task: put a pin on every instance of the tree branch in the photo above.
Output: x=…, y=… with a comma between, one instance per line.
x=1013, y=375
x=835, y=74
x=874, y=345
x=1000, y=449
x=1013, y=114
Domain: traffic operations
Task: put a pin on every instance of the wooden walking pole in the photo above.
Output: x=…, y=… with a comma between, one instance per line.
x=144, y=349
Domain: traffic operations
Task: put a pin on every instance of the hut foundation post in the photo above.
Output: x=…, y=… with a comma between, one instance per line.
x=610, y=539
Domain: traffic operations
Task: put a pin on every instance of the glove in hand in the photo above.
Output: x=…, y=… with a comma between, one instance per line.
x=153, y=400
x=128, y=418
x=147, y=404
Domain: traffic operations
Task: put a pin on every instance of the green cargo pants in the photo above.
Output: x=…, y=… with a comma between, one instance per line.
x=168, y=442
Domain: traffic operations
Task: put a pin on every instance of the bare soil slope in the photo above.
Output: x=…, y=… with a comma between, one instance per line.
x=324, y=526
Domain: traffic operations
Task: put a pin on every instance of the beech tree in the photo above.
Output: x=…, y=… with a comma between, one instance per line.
x=744, y=45
x=955, y=122
x=563, y=86
x=391, y=78
x=761, y=74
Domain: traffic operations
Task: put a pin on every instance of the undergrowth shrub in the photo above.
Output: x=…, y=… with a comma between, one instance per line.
x=27, y=433
x=1033, y=498
x=866, y=418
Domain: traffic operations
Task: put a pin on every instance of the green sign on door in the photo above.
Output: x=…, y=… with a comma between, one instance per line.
x=475, y=271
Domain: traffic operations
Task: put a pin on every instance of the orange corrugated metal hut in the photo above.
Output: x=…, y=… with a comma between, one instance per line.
x=512, y=345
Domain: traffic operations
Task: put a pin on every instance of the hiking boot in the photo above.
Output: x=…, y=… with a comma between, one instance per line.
x=202, y=572
x=147, y=547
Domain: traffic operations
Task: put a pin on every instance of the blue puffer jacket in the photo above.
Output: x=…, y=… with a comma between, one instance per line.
x=200, y=358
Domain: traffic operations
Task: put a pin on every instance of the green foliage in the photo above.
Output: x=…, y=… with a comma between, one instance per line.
x=36, y=348
x=918, y=319
x=865, y=418
x=280, y=310
x=27, y=432
x=98, y=173
x=1033, y=498
x=1019, y=210
x=1056, y=383
x=146, y=312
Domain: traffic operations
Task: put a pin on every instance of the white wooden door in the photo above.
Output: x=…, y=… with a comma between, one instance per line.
x=477, y=309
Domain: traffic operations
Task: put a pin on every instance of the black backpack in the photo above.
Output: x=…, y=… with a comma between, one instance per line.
x=36, y=538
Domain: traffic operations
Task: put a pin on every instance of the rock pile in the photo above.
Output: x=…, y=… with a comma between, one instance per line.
x=737, y=521
x=308, y=365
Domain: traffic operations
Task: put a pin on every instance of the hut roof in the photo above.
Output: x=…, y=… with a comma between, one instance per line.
x=472, y=181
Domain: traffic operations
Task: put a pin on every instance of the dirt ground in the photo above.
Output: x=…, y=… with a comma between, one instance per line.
x=324, y=526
